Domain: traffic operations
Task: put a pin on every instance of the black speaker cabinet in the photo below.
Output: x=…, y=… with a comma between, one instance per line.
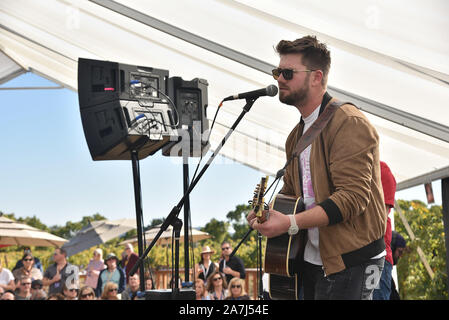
x=191, y=100
x=124, y=108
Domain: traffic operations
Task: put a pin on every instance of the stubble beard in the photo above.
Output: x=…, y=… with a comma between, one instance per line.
x=298, y=97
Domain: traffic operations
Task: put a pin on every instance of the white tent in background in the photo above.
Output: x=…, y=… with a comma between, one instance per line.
x=390, y=58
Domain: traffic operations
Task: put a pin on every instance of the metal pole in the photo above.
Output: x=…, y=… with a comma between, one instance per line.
x=445, y=203
x=185, y=167
x=139, y=215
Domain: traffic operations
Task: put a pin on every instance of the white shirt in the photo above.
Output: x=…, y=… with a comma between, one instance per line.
x=6, y=276
x=312, y=249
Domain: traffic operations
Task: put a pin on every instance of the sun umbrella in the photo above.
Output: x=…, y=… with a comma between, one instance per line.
x=97, y=232
x=166, y=236
x=20, y=234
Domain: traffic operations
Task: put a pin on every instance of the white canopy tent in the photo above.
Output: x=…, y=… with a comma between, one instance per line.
x=390, y=58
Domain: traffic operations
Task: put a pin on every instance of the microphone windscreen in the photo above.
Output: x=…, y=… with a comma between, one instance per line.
x=272, y=90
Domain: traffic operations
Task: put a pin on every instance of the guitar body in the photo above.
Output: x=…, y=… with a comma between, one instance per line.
x=284, y=253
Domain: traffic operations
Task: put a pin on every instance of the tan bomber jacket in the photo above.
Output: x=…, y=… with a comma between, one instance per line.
x=345, y=170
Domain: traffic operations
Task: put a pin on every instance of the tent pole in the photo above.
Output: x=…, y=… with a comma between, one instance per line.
x=445, y=203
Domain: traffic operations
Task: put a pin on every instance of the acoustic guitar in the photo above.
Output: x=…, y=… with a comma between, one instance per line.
x=283, y=253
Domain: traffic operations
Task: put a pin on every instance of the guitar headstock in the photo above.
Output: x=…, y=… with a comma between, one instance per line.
x=259, y=201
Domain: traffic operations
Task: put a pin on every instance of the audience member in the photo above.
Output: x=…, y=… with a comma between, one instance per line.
x=23, y=291
x=86, y=293
x=56, y=296
x=8, y=295
x=216, y=286
x=27, y=269
x=236, y=290
x=95, y=266
x=131, y=289
x=113, y=273
x=129, y=260
x=149, y=283
x=6, y=279
x=60, y=272
x=37, y=263
x=398, y=246
x=389, y=190
x=38, y=294
x=231, y=267
x=110, y=291
x=200, y=289
x=206, y=266
x=37, y=291
x=70, y=291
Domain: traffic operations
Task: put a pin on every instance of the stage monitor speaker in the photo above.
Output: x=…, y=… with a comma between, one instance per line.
x=190, y=99
x=168, y=294
x=124, y=108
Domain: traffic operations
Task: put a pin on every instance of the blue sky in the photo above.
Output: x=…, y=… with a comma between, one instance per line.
x=46, y=169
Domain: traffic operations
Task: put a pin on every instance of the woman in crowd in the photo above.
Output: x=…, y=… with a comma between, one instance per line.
x=200, y=289
x=28, y=269
x=95, y=266
x=236, y=290
x=86, y=293
x=216, y=286
x=110, y=291
x=206, y=266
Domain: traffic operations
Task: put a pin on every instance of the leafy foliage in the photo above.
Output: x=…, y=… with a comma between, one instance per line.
x=413, y=279
x=427, y=225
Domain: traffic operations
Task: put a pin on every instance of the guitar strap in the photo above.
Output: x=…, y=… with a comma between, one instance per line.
x=311, y=133
x=315, y=129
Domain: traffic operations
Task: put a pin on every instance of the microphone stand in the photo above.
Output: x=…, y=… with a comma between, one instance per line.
x=259, y=258
x=172, y=218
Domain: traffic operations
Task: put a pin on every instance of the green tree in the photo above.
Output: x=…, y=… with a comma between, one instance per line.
x=217, y=229
x=427, y=225
x=237, y=218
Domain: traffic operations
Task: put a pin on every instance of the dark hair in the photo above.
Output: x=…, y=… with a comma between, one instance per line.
x=27, y=255
x=315, y=55
x=63, y=252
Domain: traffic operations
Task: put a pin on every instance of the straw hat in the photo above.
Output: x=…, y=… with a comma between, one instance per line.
x=207, y=249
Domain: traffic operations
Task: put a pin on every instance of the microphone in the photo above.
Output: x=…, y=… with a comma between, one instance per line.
x=271, y=91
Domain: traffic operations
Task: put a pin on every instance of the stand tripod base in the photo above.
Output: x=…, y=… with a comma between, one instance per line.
x=169, y=294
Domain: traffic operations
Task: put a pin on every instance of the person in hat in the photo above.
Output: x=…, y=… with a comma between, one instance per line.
x=398, y=246
x=206, y=266
x=112, y=273
x=389, y=190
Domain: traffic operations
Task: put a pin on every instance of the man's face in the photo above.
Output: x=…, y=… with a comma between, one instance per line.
x=57, y=256
x=226, y=249
x=295, y=91
x=111, y=263
x=134, y=281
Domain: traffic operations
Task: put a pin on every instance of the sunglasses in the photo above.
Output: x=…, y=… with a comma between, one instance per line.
x=27, y=259
x=236, y=286
x=286, y=73
x=72, y=290
x=216, y=279
x=225, y=248
x=112, y=290
x=86, y=295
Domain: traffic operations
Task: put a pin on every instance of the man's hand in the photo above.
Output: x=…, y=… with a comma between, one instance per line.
x=277, y=223
x=227, y=270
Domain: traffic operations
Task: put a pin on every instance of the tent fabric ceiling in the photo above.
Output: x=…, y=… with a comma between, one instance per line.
x=8, y=68
x=391, y=54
